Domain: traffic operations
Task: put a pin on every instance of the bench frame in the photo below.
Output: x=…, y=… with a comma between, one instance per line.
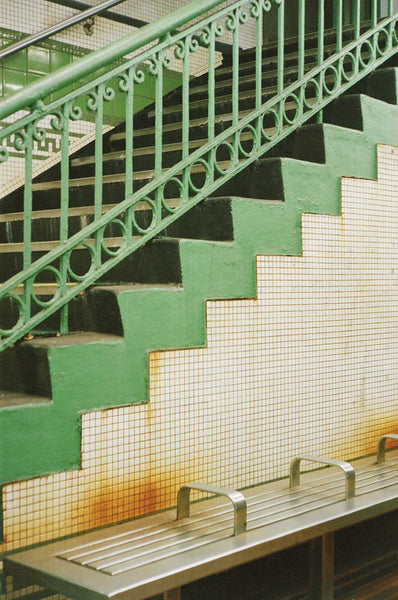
x=50, y=567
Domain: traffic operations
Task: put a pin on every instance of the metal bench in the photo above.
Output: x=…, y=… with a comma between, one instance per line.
x=160, y=553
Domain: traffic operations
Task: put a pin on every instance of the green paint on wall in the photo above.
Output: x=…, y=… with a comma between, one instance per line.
x=38, y=440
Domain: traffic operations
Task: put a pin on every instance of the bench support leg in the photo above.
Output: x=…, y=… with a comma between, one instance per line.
x=321, y=584
x=172, y=594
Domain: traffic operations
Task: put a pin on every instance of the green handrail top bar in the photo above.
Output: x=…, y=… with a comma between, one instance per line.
x=77, y=70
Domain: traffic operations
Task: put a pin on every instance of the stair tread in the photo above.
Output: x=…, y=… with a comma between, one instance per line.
x=114, y=178
x=125, y=287
x=10, y=399
x=51, y=244
x=176, y=126
x=146, y=150
x=220, y=118
x=78, y=211
x=71, y=339
x=247, y=78
x=272, y=58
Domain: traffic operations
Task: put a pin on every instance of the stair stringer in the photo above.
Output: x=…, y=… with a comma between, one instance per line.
x=46, y=438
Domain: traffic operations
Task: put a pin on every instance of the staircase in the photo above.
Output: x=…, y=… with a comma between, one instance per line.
x=155, y=298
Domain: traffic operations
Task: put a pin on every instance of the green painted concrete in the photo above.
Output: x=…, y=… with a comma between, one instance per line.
x=38, y=440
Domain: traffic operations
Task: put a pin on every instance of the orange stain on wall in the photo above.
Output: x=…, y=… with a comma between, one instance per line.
x=118, y=500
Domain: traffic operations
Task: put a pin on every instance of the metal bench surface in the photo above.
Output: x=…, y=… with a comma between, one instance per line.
x=148, y=556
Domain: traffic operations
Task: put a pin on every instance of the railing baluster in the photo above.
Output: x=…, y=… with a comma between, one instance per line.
x=374, y=6
x=339, y=25
x=321, y=44
x=301, y=39
x=27, y=227
x=235, y=81
x=27, y=198
x=64, y=210
x=211, y=85
x=357, y=18
x=259, y=67
x=185, y=115
x=301, y=52
x=158, y=74
x=235, y=70
x=281, y=45
x=211, y=96
x=99, y=117
x=129, y=148
x=259, y=58
x=281, y=56
x=391, y=25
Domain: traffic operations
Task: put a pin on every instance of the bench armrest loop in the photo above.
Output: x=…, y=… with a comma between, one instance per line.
x=238, y=500
x=345, y=466
x=381, y=446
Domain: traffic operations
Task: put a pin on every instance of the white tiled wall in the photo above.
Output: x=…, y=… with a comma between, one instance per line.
x=309, y=365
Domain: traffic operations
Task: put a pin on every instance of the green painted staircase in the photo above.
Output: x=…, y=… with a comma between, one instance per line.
x=156, y=298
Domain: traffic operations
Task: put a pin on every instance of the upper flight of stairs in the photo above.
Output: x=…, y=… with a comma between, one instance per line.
x=156, y=298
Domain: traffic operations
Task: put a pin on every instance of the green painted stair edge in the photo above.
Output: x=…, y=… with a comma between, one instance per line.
x=42, y=439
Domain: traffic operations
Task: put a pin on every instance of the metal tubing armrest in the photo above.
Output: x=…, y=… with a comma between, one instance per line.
x=381, y=446
x=345, y=466
x=237, y=499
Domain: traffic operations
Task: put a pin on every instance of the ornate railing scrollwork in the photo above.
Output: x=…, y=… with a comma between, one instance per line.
x=237, y=133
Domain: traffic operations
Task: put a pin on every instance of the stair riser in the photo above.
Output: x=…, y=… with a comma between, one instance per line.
x=210, y=220
x=42, y=229
x=144, y=139
x=80, y=319
x=146, y=265
x=145, y=163
x=223, y=107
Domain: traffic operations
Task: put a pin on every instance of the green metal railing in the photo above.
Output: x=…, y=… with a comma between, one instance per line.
x=343, y=57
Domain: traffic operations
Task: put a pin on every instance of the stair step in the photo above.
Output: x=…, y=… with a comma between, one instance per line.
x=291, y=42
x=249, y=79
x=148, y=150
x=177, y=126
x=113, y=178
x=41, y=289
x=267, y=60
x=47, y=245
x=244, y=96
x=156, y=262
x=75, y=211
x=12, y=399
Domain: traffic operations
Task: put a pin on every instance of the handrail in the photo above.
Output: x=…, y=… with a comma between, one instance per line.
x=112, y=16
x=245, y=134
x=104, y=56
x=49, y=31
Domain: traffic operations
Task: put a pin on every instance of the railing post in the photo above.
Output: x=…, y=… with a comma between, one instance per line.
x=281, y=44
x=158, y=74
x=321, y=34
x=129, y=145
